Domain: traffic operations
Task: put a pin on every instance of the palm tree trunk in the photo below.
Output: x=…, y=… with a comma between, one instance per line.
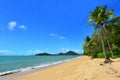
x=108, y=42
x=103, y=46
x=107, y=59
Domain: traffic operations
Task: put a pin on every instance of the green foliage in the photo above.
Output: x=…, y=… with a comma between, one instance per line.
x=87, y=39
x=94, y=55
x=103, y=17
x=100, y=55
x=93, y=46
x=116, y=52
x=100, y=15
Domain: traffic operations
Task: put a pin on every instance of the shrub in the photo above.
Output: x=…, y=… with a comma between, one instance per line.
x=100, y=55
x=116, y=52
x=94, y=55
x=108, y=53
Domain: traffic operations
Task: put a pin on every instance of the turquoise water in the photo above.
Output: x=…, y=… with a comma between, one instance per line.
x=22, y=63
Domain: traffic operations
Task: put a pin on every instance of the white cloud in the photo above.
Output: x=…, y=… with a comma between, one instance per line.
x=33, y=51
x=23, y=27
x=54, y=35
x=37, y=51
x=12, y=25
x=5, y=52
x=63, y=50
x=47, y=49
x=57, y=36
x=77, y=51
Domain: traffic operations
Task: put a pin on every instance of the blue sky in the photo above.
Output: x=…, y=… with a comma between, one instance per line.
x=32, y=26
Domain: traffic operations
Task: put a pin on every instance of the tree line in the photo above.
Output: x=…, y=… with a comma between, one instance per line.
x=105, y=41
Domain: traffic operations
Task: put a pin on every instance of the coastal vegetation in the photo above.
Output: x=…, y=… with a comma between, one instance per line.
x=105, y=41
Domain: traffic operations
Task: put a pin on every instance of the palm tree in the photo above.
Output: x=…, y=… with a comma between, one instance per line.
x=87, y=39
x=98, y=18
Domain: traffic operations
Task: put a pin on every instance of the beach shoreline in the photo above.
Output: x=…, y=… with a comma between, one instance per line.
x=83, y=68
x=10, y=75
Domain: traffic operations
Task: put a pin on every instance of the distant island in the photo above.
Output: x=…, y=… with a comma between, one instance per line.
x=69, y=53
x=43, y=54
x=61, y=54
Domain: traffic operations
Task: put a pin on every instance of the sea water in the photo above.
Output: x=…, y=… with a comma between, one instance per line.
x=11, y=64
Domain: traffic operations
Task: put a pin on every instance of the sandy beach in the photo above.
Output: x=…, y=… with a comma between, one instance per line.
x=83, y=68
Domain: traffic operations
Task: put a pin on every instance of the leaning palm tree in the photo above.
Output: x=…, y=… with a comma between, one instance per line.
x=98, y=19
